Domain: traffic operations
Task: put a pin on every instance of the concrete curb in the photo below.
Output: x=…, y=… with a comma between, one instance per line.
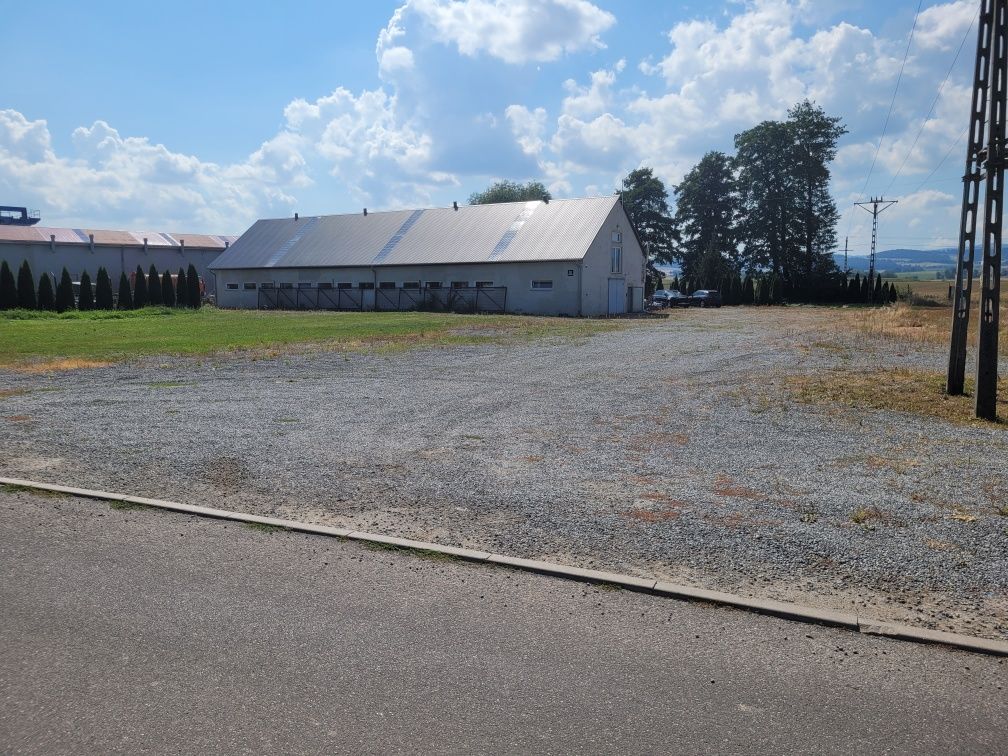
x=794, y=612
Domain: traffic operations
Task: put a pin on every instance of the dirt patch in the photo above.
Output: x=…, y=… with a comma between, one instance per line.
x=19, y=418
x=670, y=509
x=726, y=486
x=7, y=393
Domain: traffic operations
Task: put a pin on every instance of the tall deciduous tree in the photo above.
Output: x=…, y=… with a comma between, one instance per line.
x=510, y=191
x=789, y=216
x=645, y=200
x=705, y=220
x=26, y=298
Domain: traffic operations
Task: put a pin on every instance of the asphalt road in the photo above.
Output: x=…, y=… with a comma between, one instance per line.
x=144, y=631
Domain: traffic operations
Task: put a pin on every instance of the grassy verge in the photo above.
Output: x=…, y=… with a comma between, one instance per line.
x=34, y=341
x=913, y=391
x=914, y=324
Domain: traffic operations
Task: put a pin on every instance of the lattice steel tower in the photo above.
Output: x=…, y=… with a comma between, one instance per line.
x=985, y=155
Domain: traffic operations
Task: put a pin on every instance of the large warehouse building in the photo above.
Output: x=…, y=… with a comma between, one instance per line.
x=78, y=249
x=561, y=257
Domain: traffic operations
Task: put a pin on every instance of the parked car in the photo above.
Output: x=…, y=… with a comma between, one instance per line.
x=706, y=298
x=667, y=298
x=660, y=298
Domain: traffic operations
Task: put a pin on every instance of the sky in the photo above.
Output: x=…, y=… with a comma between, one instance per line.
x=203, y=117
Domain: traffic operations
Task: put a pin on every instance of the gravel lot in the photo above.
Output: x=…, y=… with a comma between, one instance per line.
x=664, y=449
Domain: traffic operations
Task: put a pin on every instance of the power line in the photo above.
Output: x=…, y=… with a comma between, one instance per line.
x=892, y=103
x=934, y=102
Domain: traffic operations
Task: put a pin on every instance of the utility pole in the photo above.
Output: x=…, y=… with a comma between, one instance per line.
x=984, y=160
x=875, y=203
x=846, y=267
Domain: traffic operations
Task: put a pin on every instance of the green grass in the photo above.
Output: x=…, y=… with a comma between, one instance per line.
x=81, y=339
x=262, y=527
x=14, y=488
x=126, y=506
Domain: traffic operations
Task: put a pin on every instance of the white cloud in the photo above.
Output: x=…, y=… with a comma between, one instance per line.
x=108, y=176
x=514, y=31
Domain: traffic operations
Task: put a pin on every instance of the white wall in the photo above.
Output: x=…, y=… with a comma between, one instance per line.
x=517, y=277
x=597, y=268
x=77, y=258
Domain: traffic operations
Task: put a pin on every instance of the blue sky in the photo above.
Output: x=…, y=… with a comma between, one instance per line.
x=204, y=116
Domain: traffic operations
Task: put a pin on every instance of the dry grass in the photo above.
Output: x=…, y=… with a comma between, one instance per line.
x=867, y=515
x=7, y=393
x=914, y=324
x=915, y=392
x=57, y=366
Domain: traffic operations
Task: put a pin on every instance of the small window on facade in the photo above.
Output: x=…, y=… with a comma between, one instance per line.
x=617, y=260
x=304, y=285
x=325, y=284
x=286, y=286
x=433, y=284
x=570, y=271
x=365, y=285
x=386, y=285
x=249, y=287
x=542, y=285
x=266, y=285
x=484, y=284
x=344, y=285
x=232, y=286
x=411, y=285
x=460, y=284
x=617, y=237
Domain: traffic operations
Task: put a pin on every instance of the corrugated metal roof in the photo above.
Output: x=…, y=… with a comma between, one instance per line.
x=41, y=234
x=505, y=232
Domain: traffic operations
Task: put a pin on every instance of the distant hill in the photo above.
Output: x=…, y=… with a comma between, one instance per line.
x=900, y=260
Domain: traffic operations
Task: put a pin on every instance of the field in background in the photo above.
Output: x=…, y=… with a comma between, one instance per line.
x=42, y=341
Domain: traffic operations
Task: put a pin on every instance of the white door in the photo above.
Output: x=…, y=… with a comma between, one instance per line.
x=617, y=296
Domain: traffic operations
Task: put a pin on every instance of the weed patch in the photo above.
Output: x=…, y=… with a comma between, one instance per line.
x=126, y=506
x=262, y=527
x=15, y=488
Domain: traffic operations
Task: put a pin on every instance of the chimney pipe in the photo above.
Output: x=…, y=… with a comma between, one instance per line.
x=545, y=200
x=295, y=216
x=52, y=242
x=455, y=205
x=91, y=241
x=145, y=245
x=365, y=212
x=181, y=246
x=226, y=244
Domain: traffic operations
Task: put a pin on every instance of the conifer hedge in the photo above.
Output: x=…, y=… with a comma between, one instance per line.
x=85, y=300
x=8, y=289
x=103, y=291
x=46, y=295
x=125, y=296
x=27, y=300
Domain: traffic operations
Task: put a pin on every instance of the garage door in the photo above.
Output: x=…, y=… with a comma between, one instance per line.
x=617, y=296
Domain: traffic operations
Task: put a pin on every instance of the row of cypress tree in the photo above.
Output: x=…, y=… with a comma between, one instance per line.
x=765, y=290
x=148, y=289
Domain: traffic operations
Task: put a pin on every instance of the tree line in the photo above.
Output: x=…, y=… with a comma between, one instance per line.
x=764, y=213
x=766, y=290
x=150, y=289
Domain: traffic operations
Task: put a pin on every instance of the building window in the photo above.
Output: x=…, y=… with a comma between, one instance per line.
x=266, y=285
x=411, y=285
x=304, y=285
x=617, y=260
x=286, y=286
x=484, y=284
x=344, y=285
x=386, y=285
x=249, y=287
x=542, y=285
x=232, y=286
x=365, y=285
x=460, y=284
x=570, y=271
x=433, y=284
x=617, y=237
x=325, y=284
